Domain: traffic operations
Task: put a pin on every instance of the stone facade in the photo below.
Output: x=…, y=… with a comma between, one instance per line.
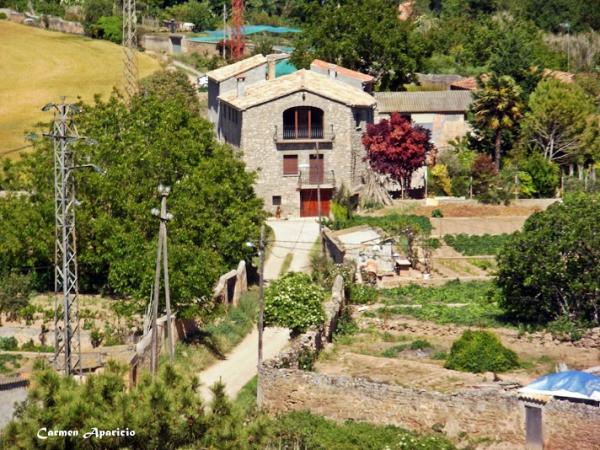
x=217, y=88
x=444, y=127
x=341, y=147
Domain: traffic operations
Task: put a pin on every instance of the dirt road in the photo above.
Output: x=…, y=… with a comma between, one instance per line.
x=241, y=364
x=295, y=236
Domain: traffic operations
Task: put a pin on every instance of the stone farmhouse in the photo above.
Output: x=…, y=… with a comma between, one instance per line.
x=303, y=130
x=296, y=131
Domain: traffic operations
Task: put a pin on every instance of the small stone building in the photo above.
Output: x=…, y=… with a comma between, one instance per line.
x=298, y=131
x=441, y=112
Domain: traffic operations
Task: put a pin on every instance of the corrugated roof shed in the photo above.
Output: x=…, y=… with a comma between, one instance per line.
x=232, y=70
x=302, y=80
x=424, y=102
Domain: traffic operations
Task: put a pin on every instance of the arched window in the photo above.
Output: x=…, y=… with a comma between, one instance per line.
x=303, y=122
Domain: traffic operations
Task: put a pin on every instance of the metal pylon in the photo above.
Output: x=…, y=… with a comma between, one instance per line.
x=130, y=69
x=67, y=340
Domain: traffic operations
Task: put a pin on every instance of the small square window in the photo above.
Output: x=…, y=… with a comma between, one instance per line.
x=277, y=200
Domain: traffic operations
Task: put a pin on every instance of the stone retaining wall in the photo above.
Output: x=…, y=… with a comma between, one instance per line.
x=489, y=413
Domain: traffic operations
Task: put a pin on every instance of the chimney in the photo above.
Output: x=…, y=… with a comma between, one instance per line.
x=241, y=86
x=270, y=68
x=332, y=71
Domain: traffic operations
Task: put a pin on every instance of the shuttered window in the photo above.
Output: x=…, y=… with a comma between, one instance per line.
x=290, y=164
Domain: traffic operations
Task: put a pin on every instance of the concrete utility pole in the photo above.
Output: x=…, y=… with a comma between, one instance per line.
x=261, y=293
x=67, y=341
x=130, y=69
x=161, y=254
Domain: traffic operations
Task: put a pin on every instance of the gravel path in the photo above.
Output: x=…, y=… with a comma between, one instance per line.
x=241, y=364
x=296, y=236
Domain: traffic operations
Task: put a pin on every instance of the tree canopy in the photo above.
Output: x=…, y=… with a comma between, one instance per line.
x=363, y=35
x=397, y=148
x=561, y=123
x=496, y=107
x=550, y=269
x=157, y=138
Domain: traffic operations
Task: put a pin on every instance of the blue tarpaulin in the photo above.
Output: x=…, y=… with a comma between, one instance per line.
x=571, y=383
x=217, y=35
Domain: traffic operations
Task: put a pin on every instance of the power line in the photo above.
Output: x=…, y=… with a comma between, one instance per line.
x=12, y=150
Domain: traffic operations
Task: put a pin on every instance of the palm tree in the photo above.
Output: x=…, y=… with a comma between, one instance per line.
x=497, y=107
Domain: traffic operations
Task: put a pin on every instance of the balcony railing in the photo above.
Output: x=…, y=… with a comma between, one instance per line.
x=312, y=178
x=303, y=134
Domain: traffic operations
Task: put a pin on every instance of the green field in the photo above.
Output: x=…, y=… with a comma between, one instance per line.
x=39, y=66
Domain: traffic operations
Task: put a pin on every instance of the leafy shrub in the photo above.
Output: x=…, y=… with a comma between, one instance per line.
x=303, y=430
x=480, y=351
x=437, y=213
x=545, y=175
x=8, y=343
x=15, y=290
x=565, y=329
x=294, y=302
x=96, y=337
x=346, y=325
x=325, y=271
x=3, y=16
x=440, y=180
x=393, y=351
x=362, y=293
x=109, y=28
x=420, y=344
x=551, y=269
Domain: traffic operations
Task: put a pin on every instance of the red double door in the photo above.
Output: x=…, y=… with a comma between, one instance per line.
x=309, y=206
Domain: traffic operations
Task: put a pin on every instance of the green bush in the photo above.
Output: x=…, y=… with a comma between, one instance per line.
x=545, y=175
x=346, y=326
x=437, y=213
x=362, y=294
x=325, y=271
x=8, y=343
x=302, y=430
x=551, y=269
x=480, y=351
x=564, y=329
x=3, y=16
x=420, y=344
x=294, y=302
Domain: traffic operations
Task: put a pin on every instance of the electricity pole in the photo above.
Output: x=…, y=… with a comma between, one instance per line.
x=130, y=69
x=161, y=254
x=319, y=175
x=261, y=293
x=224, y=30
x=67, y=342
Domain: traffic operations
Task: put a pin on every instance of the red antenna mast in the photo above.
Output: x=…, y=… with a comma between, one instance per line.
x=237, y=31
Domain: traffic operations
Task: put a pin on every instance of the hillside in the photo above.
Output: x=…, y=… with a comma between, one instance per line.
x=39, y=66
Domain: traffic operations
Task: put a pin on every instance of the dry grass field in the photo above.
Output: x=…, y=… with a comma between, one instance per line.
x=39, y=66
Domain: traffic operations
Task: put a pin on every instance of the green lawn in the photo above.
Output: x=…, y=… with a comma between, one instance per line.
x=39, y=66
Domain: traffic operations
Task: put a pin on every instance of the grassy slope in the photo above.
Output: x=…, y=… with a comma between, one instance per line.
x=38, y=66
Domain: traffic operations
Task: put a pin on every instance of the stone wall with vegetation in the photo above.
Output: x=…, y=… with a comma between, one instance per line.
x=486, y=414
x=492, y=414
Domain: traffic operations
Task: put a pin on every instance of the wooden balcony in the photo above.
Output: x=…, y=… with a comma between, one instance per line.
x=299, y=135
